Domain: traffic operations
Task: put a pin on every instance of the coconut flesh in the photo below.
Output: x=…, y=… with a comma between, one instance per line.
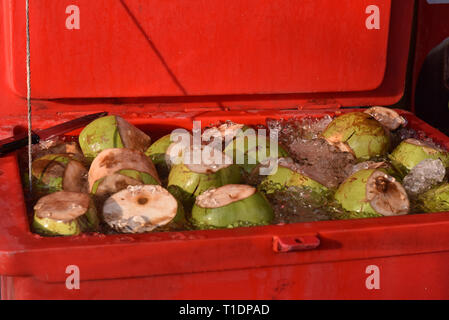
x=139, y=208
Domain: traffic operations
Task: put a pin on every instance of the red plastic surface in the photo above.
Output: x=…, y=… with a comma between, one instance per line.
x=134, y=48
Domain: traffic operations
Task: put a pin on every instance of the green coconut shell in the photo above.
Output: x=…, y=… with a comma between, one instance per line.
x=409, y=153
x=365, y=136
x=186, y=184
x=157, y=150
x=111, y=132
x=435, y=199
x=352, y=195
x=252, y=211
x=286, y=177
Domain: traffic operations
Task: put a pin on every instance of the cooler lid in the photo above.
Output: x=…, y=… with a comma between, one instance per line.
x=160, y=48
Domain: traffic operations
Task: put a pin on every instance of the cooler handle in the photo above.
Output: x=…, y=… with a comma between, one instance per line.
x=295, y=243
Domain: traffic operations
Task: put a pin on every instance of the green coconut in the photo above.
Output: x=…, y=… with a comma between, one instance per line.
x=157, y=150
x=57, y=172
x=115, y=169
x=140, y=208
x=410, y=152
x=65, y=213
x=372, y=192
x=287, y=174
x=364, y=136
x=230, y=206
x=188, y=180
x=111, y=132
x=249, y=150
x=435, y=199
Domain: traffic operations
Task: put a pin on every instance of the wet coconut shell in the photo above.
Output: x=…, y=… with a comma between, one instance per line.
x=371, y=192
x=111, y=132
x=231, y=205
x=362, y=133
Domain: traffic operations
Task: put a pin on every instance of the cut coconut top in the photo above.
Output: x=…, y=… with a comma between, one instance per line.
x=110, y=161
x=385, y=195
x=222, y=196
x=387, y=117
x=62, y=205
x=140, y=208
x=210, y=159
x=132, y=137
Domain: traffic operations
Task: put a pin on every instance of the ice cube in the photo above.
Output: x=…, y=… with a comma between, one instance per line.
x=424, y=176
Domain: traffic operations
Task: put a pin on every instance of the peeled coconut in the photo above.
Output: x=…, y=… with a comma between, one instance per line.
x=232, y=205
x=358, y=133
x=115, y=169
x=288, y=174
x=191, y=179
x=250, y=150
x=372, y=192
x=435, y=199
x=389, y=118
x=139, y=209
x=111, y=132
x=410, y=152
x=57, y=172
x=65, y=213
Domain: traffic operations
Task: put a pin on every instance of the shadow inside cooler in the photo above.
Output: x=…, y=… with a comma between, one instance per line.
x=162, y=65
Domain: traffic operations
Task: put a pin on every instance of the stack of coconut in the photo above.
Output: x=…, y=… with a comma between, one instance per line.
x=115, y=176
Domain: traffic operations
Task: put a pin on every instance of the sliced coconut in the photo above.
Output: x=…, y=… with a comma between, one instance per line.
x=132, y=137
x=75, y=177
x=62, y=205
x=211, y=160
x=222, y=196
x=140, y=208
x=387, y=117
x=386, y=196
x=114, y=183
x=110, y=161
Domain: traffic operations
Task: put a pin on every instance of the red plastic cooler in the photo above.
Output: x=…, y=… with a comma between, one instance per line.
x=161, y=64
